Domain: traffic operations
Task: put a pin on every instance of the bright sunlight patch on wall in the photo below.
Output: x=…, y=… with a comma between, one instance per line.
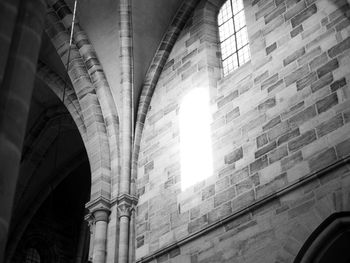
x=195, y=138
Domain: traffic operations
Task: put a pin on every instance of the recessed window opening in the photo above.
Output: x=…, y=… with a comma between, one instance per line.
x=195, y=138
x=32, y=256
x=233, y=36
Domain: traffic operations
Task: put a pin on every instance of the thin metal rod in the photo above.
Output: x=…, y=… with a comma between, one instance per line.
x=66, y=78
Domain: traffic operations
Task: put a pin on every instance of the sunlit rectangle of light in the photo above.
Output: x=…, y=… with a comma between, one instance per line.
x=225, y=13
x=244, y=55
x=226, y=30
x=228, y=47
x=237, y=5
x=242, y=37
x=230, y=64
x=239, y=20
x=195, y=137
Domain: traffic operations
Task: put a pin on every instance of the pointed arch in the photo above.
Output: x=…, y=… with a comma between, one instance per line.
x=326, y=240
x=97, y=78
x=97, y=143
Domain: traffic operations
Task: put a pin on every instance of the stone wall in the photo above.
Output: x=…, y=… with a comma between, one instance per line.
x=280, y=134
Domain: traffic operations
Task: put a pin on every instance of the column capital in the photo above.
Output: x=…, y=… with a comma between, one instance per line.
x=126, y=204
x=98, y=211
x=101, y=214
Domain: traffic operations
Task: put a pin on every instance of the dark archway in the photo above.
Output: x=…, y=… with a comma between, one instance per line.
x=330, y=242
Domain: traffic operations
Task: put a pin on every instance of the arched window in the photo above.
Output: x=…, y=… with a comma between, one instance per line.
x=233, y=35
x=32, y=256
x=195, y=137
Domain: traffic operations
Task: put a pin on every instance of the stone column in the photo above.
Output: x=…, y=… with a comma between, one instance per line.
x=100, y=235
x=124, y=216
x=132, y=235
x=20, y=40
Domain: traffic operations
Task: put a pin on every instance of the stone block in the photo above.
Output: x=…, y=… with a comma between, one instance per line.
x=294, y=56
x=297, y=74
x=261, y=77
x=343, y=148
x=243, y=200
x=291, y=161
x=318, y=61
x=222, y=184
x=222, y=102
x=265, y=149
x=264, y=10
x=306, y=81
x=261, y=140
x=241, y=220
x=271, y=48
x=258, y=164
x=272, y=123
x=322, y=82
x=294, y=10
x=296, y=31
x=174, y=252
x=148, y=167
x=197, y=224
x=322, y=160
x=189, y=56
x=234, y=156
x=328, y=67
x=224, y=196
x=334, y=22
x=267, y=104
x=277, y=154
x=208, y=191
x=301, y=141
x=301, y=209
x=268, y=82
x=274, y=86
x=343, y=24
x=292, y=110
x=338, y=84
x=239, y=175
x=309, y=55
x=326, y=103
x=302, y=116
x=278, y=130
x=329, y=126
x=277, y=183
x=233, y=114
x=339, y=48
x=289, y=135
x=302, y=16
x=278, y=11
x=227, y=170
x=219, y=212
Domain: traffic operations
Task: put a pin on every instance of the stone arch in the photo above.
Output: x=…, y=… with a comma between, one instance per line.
x=97, y=79
x=97, y=143
x=325, y=239
x=56, y=84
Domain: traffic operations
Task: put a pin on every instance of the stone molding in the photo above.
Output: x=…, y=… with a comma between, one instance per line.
x=125, y=205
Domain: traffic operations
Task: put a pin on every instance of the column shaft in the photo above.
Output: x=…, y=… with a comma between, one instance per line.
x=124, y=240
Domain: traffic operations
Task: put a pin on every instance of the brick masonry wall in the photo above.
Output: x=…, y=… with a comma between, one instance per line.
x=279, y=118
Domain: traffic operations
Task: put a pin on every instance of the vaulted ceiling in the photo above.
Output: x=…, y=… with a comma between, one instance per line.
x=150, y=21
